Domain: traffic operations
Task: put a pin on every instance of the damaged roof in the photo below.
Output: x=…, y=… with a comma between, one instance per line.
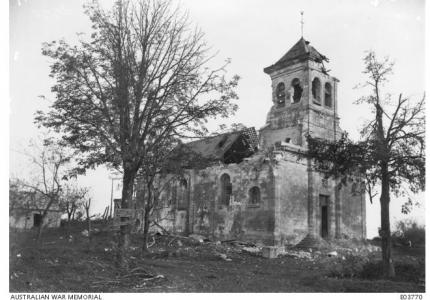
x=300, y=51
x=231, y=147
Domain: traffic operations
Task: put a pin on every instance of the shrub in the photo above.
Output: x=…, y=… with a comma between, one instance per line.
x=361, y=267
x=409, y=230
x=405, y=271
x=371, y=270
x=350, y=266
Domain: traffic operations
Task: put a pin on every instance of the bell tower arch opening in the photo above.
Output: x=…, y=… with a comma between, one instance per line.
x=298, y=90
x=280, y=94
x=316, y=91
x=304, y=98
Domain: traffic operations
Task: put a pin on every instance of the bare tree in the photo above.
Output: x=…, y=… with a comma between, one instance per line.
x=137, y=82
x=51, y=164
x=390, y=154
x=163, y=166
x=15, y=199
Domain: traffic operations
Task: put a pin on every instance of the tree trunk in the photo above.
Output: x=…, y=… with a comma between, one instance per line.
x=40, y=229
x=146, y=219
x=145, y=231
x=43, y=217
x=385, y=232
x=69, y=216
x=89, y=225
x=42, y=221
x=125, y=228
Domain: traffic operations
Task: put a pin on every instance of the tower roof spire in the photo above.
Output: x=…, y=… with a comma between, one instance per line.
x=301, y=21
x=301, y=51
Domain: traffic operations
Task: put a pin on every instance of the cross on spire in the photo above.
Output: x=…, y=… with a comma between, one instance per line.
x=301, y=21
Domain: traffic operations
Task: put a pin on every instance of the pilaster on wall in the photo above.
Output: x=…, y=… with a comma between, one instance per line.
x=332, y=210
x=338, y=209
x=311, y=200
x=277, y=208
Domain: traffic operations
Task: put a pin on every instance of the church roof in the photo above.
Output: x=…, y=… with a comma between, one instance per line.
x=227, y=147
x=301, y=51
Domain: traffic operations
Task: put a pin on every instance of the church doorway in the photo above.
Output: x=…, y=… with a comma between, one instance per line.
x=324, y=221
x=324, y=215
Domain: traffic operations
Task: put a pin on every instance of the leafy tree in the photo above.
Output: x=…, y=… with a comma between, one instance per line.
x=137, y=82
x=390, y=153
x=410, y=233
x=72, y=199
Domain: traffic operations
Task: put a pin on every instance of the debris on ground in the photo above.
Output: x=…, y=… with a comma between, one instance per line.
x=270, y=252
x=223, y=256
x=243, y=244
x=189, y=265
x=298, y=254
x=135, y=279
x=332, y=254
x=197, y=237
x=251, y=250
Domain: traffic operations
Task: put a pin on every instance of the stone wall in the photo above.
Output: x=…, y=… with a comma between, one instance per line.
x=288, y=194
x=23, y=219
x=301, y=192
x=207, y=215
x=291, y=201
x=353, y=202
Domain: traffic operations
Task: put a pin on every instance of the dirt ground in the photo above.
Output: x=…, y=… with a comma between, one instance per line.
x=67, y=263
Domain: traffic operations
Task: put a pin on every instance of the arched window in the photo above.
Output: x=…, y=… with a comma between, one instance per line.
x=254, y=196
x=280, y=94
x=316, y=90
x=182, y=194
x=298, y=90
x=327, y=95
x=226, y=189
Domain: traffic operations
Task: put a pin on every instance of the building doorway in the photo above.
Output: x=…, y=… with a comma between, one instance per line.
x=37, y=220
x=324, y=221
x=324, y=201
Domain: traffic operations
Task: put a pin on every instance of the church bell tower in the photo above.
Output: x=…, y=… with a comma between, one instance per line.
x=304, y=98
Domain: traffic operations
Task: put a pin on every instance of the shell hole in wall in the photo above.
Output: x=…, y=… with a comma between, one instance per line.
x=280, y=94
x=316, y=91
x=328, y=95
x=298, y=90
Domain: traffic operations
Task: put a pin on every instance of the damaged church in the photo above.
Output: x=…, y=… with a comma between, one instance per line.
x=258, y=189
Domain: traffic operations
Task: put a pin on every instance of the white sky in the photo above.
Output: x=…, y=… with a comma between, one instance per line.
x=254, y=34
